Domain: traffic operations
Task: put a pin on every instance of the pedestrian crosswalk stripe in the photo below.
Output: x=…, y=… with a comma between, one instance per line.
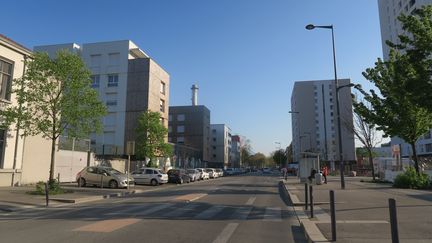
x=273, y=214
x=210, y=212
x=180, y=211
x=152, y=210
x=127, y=209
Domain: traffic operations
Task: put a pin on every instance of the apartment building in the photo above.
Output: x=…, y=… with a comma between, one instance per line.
x=314, y=120
x=235, y=157
x=22, y=159
x=128, y=81
x=389, y=10
x=220, y=146
x=190, y=126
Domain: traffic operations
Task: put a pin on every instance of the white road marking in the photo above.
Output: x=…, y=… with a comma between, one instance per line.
x=209, y=213
x=153, y=209
x=180, y=211
x=127, y=209
x=273, y=214
x=251, y=201
x=226, y=233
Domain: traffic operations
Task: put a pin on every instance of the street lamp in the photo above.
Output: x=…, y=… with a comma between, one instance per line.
x=311, y=27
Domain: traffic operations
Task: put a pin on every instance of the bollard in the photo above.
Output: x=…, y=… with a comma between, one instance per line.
x=311, y=201
x=306, y=196
x=46, y=194
x=333, y=215
x=393, y=221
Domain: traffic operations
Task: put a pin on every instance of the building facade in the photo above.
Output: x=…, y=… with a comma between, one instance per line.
x=235, y=158
x=128, y=81
x=190, y=126
x=389, y=10
x=220, y=146
x=314, y=120
x=391, y=28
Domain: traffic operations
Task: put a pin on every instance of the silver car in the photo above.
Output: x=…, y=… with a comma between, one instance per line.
x=105, y=176
x=194, y=174
x=150, y=176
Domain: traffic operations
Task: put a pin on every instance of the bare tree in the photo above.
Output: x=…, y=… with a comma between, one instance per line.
x=366, y=133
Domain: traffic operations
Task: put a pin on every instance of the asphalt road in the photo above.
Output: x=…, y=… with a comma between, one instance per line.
x=230, y=209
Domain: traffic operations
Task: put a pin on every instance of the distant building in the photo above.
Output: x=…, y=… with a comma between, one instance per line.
x=220, y=146
x=128, y=81
x=314, y=120
x=19, y=164
x=190, y=126
x=235, y=157
x=391, y=28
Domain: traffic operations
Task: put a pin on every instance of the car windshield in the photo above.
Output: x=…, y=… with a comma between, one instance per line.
x=112, y=171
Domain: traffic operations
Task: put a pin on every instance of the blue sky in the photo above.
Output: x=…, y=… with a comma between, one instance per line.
x=245, y=55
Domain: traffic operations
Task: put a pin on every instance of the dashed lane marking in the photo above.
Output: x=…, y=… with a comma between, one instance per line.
x=226, y=233
x=251, y=201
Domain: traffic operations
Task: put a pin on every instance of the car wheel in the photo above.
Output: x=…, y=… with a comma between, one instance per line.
x=81, y=182
x=113, y=184
x=154, y=182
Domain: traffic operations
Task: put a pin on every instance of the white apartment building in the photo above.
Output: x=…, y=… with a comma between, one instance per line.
x=389, y=10
x=220, y=143
x=128, y=81
x=314, y=120
x=391, y=28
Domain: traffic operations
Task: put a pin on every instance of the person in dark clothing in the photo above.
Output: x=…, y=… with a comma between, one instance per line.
x=312, y=175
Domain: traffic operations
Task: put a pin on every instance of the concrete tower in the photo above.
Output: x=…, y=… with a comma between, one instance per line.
x=194, y=95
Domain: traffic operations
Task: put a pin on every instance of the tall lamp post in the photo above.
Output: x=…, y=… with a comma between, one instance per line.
x=341, y=162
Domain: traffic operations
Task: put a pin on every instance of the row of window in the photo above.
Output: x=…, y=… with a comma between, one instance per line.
x=112, y=80
x=6, y=69
x=180, y=117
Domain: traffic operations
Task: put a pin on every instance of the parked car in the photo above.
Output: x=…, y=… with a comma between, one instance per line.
x=220, y=172
x=178, y=176
x=229, y=171
x=204, y=175
x=194, y=174
x=212, y=173
x=105, y=176
x=266, y=170
x=150, y=176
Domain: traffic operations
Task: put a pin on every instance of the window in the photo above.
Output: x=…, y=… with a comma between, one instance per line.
x=428, y=147
x=213, y=130
x=331, y=113
x=169, y=129
x=111, y=103
x=95, y=81
x=180, y=139
x=180, y=117
x=170, y=139
x=5, y=79
x=162, y=105
x=214, y=147
x=180, y=129
x=214, y=139
x=214, y=155
x=2, y=144
x=162, y=87
x=113, y=80
x=148, y=171
x=169, y=117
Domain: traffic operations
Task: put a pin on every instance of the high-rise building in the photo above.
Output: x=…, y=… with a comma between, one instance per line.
x=220, y=145
x=314, y=120
x=128, y=81
x=391, y=28
x=190, y=126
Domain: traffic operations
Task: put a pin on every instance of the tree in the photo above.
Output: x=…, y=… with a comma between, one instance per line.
x=55, y=98
x=245, y=150
x=416, y=45
x=393, y=111
x=257, y=160
x=366, y=133
x=150, y=137
x=279, y=157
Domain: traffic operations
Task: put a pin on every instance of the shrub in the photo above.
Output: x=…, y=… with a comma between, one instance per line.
x=410, y=179
x=53, y=188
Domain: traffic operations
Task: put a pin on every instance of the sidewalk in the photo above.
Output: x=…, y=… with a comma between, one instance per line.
x=362, y=212
x=14, y=198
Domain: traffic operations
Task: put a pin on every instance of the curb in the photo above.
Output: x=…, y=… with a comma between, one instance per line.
x=96, y=198
x=312, y=233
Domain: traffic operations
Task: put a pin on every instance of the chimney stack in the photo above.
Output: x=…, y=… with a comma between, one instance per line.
x=194, y=95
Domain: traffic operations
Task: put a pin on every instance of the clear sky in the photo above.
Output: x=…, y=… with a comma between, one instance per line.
x=245, y=55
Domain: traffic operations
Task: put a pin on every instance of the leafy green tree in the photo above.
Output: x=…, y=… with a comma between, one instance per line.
x=150, y=137
x=279, y=157
x=55, y=98
x=416, y=46
x=392, y=110
x=245, y=151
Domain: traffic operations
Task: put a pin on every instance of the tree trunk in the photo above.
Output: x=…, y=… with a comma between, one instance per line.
x=416, y=165
x=371, y=163
x=51, y=173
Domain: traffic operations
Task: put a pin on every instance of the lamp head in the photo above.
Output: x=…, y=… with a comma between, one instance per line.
x=310, y=27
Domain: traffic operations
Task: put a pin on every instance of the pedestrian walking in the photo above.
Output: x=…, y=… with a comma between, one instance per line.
x=285, y=173
x=325, y=173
